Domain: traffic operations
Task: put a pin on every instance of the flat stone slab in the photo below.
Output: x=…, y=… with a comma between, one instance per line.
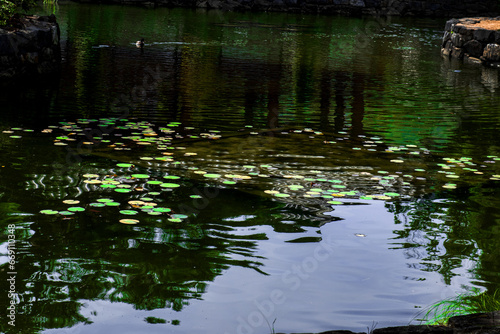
x=474, y=40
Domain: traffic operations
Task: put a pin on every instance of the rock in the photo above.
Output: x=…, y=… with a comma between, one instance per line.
x=34, y=49
x=483, y=35
x=457, y=40
x=471, y=322
x=421, y=329
x=474, y=48
x=492, y=52
x=472, y=60
x=357, y=3
x=457, y=52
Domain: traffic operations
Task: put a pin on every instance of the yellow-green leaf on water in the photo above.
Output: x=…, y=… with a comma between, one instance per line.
x=212, y=176
x=71, y=201
x=49, y=212
x=129, y=221
x=171, y=177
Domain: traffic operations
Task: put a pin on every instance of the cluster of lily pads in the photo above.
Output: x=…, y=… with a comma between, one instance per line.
x=142, y=149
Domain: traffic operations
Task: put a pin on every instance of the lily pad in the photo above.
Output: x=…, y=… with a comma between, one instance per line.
x=171, y=177
x=129, y=221
x=71, y=201
x=212, y=176
x=124, y=165
x=76, y=209
x=161, y=209
x=140, y=176
x=104, y=200
x=128, y=212
x=49, y=212
x=123, y=190
x=169, y=185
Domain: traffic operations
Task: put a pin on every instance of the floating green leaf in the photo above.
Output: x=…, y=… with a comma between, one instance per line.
x=140, y=176
x=66, y=213
x=49, y=212
x=129, y=221
x=76, y=209
x=123, y=190
x=212, y=176
x=169, y=185
x=160, y=209
x=104, y=200
x=124, y=165
x=128, y=212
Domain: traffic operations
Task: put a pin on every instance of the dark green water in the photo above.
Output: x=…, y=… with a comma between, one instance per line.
x=326, y=172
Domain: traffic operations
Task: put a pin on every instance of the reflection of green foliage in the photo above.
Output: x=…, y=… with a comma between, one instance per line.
x=50, y=5
x=467, y=303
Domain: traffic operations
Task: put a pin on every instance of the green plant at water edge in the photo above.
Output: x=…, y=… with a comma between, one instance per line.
x=466, y=303
x=10, y=7
x=269, y=325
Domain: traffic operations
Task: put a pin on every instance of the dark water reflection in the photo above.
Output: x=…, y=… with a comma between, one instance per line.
x=327, y=98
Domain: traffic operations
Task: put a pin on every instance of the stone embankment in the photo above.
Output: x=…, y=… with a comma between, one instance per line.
x=31, y=47
x=473, y=40
x=427, y=8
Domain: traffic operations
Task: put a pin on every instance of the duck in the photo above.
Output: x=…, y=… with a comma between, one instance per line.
x=140, y=44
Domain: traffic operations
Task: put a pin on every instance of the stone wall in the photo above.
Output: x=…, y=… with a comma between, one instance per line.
x=473, y=40
x=32, y=47
x=428, y=8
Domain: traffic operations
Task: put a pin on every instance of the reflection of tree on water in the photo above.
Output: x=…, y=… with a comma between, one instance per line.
x=442, y=231
x=66, y=261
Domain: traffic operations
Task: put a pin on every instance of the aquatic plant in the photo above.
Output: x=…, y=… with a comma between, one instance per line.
x=465, y=303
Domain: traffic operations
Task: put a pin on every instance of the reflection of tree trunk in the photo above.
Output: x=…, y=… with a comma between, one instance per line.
x=340, y=86
x=325, y=96
x=358, y=104
x=173, y=102
x=250, y=98
x=273, y=94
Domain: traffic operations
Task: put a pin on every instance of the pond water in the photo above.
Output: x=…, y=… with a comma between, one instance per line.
x=246, y=172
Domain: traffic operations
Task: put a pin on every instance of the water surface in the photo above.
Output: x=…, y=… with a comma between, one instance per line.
x=329, y=173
